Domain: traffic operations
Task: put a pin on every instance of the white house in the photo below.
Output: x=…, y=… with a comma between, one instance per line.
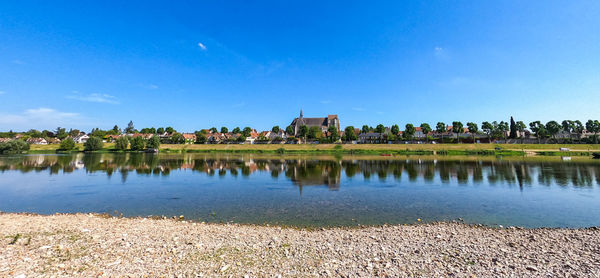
x=81, y=138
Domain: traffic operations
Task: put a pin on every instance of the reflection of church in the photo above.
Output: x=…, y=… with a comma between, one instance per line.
x=315, y=173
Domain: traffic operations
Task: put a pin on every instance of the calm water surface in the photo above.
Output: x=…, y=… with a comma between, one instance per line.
x=307, y=190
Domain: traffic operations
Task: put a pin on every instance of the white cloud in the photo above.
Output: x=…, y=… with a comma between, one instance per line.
x=440, y=52
x=2, y=92
x=202, y=46
x=38, y=117
x=360, y=109
x=99, y=98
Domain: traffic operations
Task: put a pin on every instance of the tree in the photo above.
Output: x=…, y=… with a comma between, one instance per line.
x=349, y=134
x=520, y=127
x=224, y=129
x=93, y=144
x=409, y=131
x=503, y=128
x=61, y=133
x=578, y=128
x=313, y=132
x=333, y=134
x=457, y=127
x=488, y=128
x=74, y=132
x=539, y=129
x=365, y=129
x=395, y=129
x=138, y=143
x=116, y=130
x=426, y=129
x=247, y=131
x=303, y=131
x=473, y=129
x=553, y=128
x=160, y=130
x=440, y=128
x=513, y=128
x=200, y=138
x=289, y=130
x=122, y=143
x=276, y=129
x=130, y=128
x=177, y=138
x=14, y=146
x=67, y=144
x=380, y=128
x=153, y=143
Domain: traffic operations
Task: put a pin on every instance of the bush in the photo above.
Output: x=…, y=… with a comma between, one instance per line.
x=122, y=143
x=153, y=143
x=138, y=144
x=67, y=144
x=93, y=144
x=14, y=146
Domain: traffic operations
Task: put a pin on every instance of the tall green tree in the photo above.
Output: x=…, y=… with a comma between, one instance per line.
x=578, y=128
x=303, y=132
x=380, y=128
x=409, y=131
x=275, y=129
x=290, y=130
x=488, y=128
x=130, y=128
x=503, y=128
x=440, y=128
x=236, y=130
x=426, y=129
x=333, y=134
x=538, y=129
x=247, y=131
x=457, y=127
x=160, y=130
x=153, y=143
x=224, y=129
x=122, y=143
x=365, y=129
x=116, y=130
x=93, y=144
x=177, y=138
x=67, y=144
x=553, y=128
x=473, y=129
x=513, y=128
x=349, y=134
x=61, y=133
x=520, y=126
x=395, y=129
x=138, y=143
x=313, y=132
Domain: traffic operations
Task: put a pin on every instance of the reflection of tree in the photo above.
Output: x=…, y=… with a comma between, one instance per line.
x=310, y=172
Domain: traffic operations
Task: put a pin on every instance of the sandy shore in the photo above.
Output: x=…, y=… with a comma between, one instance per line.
x=91, y=246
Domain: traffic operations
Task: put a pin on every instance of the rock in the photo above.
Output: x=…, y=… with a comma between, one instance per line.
x=531, y=268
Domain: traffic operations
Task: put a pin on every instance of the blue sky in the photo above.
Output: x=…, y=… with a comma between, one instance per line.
x=193, y=65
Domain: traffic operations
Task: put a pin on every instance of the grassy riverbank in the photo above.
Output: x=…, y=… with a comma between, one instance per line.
x=83, y=245
x=399, y=149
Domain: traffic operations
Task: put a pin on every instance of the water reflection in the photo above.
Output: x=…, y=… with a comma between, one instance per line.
x=317, y=171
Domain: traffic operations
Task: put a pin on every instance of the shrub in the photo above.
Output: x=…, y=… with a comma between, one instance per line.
x=122, y=143
x=14, y=146
x=67, y=144
x=138, y=143
x=93, y=144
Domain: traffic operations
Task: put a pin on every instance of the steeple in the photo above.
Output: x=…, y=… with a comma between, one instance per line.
x=300, y=113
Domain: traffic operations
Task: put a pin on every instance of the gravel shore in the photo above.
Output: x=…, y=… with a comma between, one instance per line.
x=86, y=245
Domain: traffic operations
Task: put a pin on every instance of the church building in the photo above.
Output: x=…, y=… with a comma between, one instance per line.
x=322, y=123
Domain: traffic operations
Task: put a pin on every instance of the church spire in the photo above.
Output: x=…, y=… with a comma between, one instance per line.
x=300, y=113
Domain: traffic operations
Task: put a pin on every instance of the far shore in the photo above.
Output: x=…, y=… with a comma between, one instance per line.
x=400, y=149
x=87, y=245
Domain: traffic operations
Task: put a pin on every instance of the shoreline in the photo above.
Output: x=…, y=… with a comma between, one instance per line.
x=96, y=245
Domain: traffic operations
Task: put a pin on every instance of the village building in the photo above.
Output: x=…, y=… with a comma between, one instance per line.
x=37, y=141
x=322, y=123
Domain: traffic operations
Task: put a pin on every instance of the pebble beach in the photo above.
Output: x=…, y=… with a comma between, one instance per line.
x=90, y=245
